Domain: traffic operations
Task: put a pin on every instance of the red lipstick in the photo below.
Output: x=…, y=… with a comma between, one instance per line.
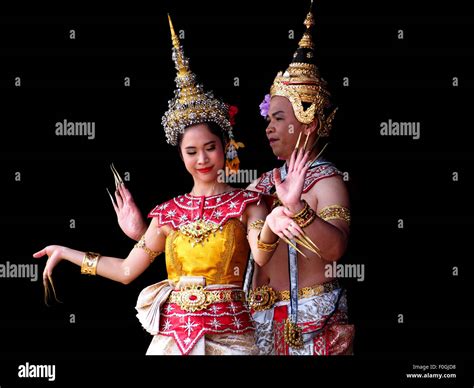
x=204, y=170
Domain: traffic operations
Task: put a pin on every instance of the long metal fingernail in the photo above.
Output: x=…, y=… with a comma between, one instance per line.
x=110, y=195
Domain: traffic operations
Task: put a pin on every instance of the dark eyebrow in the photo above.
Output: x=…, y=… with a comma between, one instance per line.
x=208, y=143
x=275, y=113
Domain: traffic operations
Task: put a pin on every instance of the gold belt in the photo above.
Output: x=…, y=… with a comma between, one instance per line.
x=263, y=298
x=194, y=297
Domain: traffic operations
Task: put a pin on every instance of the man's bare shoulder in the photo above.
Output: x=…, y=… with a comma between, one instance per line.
x=328, y=191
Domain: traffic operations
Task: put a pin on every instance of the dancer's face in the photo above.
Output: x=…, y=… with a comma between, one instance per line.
x=283, y=127
x=202, y=152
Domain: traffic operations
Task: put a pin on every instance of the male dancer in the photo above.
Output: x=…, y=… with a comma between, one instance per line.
x=296, y=307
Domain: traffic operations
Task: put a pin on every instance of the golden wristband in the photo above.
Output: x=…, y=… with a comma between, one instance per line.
x=302, y=211
x=266, y=247
x=305, y=216
x=89, y=263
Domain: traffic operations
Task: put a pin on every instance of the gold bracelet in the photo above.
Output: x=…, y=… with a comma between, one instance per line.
x=305, y=216
x=335, y=212
x=302, y=211
x=310, y=217
x=257, y=224
x=141, y=244
x=89, y=263
x=266, y=247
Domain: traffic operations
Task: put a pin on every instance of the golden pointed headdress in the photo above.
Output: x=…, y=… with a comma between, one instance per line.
x=191, y=104
x=301, y=83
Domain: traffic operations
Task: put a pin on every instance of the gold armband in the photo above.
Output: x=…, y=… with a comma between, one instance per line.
x=89, y=263
x=266, y=247
x=305, y=216
x=257, y=224
x=141, y=244
x=335, y=212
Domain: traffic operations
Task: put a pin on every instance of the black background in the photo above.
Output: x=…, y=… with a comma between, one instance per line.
x=407, y=271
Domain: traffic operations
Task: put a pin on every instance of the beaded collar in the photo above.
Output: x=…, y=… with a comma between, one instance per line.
x=199, y=216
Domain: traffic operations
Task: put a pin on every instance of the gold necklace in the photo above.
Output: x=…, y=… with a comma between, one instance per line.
x=199, y=230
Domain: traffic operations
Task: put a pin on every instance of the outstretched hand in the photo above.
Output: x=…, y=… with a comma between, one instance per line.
x=55, y=255
x=289, y=192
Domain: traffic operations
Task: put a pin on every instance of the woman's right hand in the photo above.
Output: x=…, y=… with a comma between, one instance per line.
x=129, y=216
x=55, y=254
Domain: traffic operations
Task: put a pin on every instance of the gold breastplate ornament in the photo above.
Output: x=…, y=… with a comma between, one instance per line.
x=199, y=231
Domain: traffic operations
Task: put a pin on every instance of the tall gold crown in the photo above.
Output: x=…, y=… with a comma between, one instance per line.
x=302, y=83
x=191, y=104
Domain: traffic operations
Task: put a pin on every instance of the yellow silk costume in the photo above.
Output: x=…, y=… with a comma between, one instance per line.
x=221, y=260
x=200, y=308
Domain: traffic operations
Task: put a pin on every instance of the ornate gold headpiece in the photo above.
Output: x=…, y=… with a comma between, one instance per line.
x=301, y=83
x=191, y=104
